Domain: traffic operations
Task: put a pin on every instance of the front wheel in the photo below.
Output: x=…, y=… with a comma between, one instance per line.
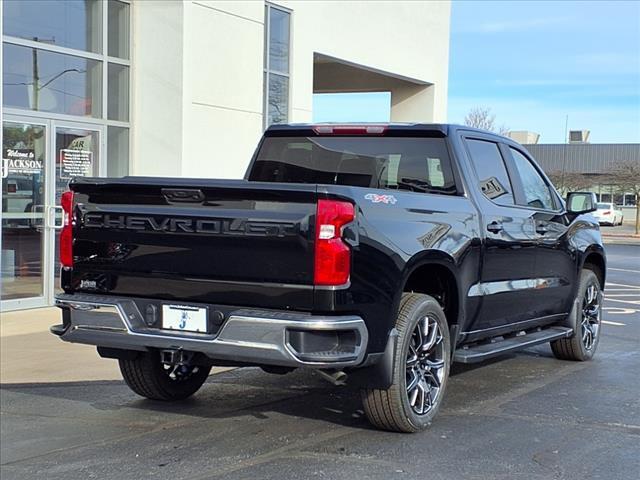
x=586, y=321
x=421, y=369
x=149, y=377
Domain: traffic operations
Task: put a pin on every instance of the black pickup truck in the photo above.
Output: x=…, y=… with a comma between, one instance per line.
x=375, y=254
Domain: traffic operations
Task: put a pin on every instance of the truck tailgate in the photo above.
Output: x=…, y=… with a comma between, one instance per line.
x=215, y=241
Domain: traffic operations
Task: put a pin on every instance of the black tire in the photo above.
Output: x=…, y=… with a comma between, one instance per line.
x=147, y=376
x=392, y=409
x=582, y=345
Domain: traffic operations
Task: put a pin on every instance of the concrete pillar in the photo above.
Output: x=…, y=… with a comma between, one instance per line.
x=414, y=103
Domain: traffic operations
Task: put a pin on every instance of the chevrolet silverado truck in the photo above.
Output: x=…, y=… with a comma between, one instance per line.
x=375, y=254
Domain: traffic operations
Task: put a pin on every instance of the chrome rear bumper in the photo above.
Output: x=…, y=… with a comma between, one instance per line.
x=247, y=336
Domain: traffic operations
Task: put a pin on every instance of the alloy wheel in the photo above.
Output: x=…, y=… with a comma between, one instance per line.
x=590, y=324
x=425, y=366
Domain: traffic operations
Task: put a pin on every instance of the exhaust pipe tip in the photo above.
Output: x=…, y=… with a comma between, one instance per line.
x=337, y=378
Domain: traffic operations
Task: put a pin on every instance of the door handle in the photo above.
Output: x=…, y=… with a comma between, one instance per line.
x=51, y=212
x=542, y=228
x=495, y=227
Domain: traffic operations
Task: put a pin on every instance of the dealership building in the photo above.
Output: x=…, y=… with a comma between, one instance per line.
x=580, y=165
x=182, y=89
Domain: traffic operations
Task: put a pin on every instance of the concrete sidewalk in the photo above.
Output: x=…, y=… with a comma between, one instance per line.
x=30, y=354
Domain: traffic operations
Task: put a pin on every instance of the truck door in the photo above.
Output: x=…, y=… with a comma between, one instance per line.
x=555, y=268
x=509, y=248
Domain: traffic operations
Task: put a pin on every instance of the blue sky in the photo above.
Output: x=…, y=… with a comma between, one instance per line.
x=533, y=63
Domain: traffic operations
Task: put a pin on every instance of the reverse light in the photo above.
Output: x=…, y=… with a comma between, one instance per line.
x=66, y=234
x=350, y=129
x=332, y=253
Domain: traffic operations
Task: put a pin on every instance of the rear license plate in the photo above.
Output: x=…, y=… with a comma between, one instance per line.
x=184, y=318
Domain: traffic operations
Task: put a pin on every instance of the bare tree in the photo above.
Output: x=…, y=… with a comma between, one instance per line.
x=481, y=117
x=570, y=181
x=626, y=177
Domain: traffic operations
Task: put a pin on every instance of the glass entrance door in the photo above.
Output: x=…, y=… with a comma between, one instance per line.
x=77, y=152
x=39, y=158
x=24, y=209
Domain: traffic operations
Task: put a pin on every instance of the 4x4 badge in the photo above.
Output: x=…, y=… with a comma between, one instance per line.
x=376, y=198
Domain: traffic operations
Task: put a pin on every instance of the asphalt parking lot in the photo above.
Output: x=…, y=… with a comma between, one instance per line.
x=527, y=416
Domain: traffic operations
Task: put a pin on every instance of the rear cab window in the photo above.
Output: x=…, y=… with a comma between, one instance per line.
x=397, y=163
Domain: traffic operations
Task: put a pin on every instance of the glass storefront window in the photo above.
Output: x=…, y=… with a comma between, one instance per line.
x=278, y=99
x=66, y=23
x=276, y=65
x=278, y=40
x=118, y=92
x=23, y=191
x=117, y=151
x=66, y=93
x=118, y=24
x=35, y=79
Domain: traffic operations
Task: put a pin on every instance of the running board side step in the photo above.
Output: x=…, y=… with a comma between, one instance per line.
x=484, y=351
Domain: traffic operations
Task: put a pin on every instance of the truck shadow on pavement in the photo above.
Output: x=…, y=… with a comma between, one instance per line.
x=247, y=392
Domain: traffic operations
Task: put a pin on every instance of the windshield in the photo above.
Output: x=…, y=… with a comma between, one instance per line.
x=401, y=163
x=604, y=206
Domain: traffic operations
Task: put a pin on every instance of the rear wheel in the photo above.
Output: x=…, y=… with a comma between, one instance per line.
x=149, y=377
x=421, y=369
x=586, y=319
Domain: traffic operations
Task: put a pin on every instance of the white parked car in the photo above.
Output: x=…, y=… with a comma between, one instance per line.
x=609, y=214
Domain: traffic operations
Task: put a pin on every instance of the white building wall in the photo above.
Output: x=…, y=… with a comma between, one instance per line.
x=406, y=38
x=223, y=109
x=157, y=87
x=198, y=72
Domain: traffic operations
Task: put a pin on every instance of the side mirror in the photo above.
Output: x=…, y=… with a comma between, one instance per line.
x=581, y=202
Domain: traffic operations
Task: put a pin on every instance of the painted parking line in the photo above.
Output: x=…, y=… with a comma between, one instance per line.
x=623, y=270
x=622, y=285
x=619, y=310
x=616, y=324
x=632, y=302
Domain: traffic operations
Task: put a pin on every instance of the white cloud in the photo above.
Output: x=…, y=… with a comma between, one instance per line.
x=513, y=25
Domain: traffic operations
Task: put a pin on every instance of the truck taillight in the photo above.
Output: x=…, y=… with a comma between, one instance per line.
x=332, y=254
x=66, y=234
x=608, y=212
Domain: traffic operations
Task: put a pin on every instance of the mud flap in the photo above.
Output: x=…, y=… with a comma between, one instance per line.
x=380, y=373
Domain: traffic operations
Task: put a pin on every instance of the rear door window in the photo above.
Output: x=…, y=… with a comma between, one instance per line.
x=491, y=171
x=398, y=163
